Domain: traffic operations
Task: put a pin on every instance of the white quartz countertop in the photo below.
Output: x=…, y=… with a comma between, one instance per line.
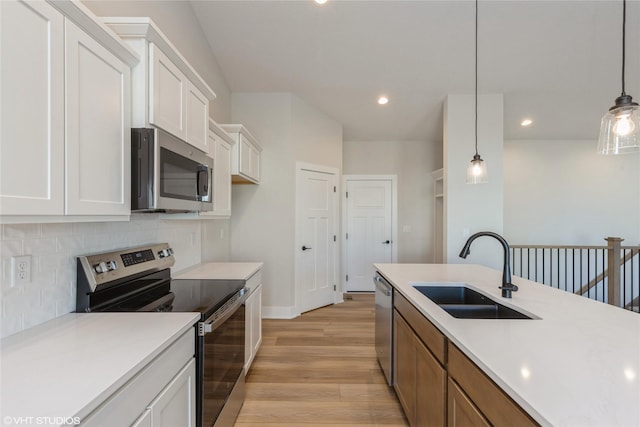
x=63, y=369
x=577, y=365
x=220, y=270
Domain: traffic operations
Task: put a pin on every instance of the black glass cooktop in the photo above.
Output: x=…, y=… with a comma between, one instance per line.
x=158, y=292
x=203, y=295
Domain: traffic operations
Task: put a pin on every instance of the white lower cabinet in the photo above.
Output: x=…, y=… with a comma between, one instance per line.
x=161, y=394
x=253, y=328
x=175, y=405
x=144, y=420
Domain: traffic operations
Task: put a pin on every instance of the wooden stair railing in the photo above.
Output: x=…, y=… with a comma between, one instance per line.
x=604, y=274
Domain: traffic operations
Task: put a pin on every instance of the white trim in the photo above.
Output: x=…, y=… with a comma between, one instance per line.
x=394, y=217
x=329, y=170
x=276, y=312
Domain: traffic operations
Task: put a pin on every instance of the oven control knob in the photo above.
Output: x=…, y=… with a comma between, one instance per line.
x=111, y=265
x=101, y=268
x=165, y=253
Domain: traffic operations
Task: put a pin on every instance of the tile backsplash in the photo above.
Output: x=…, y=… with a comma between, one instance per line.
x=53, y=249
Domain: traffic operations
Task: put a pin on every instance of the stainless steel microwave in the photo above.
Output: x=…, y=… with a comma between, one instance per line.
x=167, y=174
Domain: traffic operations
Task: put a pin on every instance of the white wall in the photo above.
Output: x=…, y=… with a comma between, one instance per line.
x=412, y=162
x=53, y=248
x=563, y=192
x=263, y=216
x=478, y=207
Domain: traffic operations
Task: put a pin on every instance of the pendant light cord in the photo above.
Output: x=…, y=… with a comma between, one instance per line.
x=624, y=25
x=476, y=82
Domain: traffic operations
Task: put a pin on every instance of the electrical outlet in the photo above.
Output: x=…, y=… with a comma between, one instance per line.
x=20, y=269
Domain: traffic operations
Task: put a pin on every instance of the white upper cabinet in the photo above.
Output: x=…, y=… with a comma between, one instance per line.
x=245, y=155
x=197, y=118
x=220, y=148
x=32, y=131
x=98, y=152
x=65, y=114
x=167, y=92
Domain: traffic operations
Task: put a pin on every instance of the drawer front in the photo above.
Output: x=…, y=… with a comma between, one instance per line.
x=426, y=331
x=499, y=409
x=254, y=281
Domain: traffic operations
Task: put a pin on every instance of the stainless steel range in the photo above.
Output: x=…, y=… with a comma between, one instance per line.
x=139, y=279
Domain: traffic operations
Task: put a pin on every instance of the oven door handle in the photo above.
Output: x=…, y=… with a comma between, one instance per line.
x=220, y=316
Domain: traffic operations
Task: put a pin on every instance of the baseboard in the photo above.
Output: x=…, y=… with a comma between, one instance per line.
x=275, y=312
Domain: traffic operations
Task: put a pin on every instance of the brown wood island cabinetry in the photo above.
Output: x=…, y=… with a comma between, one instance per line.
x=438, y=385
x=420, y=378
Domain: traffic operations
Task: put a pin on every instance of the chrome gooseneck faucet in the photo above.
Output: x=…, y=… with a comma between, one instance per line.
x=507, y=287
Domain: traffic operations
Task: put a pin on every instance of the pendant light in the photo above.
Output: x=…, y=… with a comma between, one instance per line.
x=477, y=169
x=620, y=127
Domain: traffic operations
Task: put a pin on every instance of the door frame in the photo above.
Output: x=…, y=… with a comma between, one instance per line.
x=337, y=294
x=343, y=228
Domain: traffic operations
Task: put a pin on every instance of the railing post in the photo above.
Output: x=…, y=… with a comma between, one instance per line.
x=613, y=270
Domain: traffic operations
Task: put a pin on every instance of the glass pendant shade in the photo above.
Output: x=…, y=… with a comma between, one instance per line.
x=477, y=171
x=620, y=128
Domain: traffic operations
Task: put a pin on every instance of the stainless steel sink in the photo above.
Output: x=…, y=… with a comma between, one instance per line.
x=465, y=303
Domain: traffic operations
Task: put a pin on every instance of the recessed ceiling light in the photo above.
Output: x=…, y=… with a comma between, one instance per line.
x=526, y=122
x=320, y=1
x=383, y=100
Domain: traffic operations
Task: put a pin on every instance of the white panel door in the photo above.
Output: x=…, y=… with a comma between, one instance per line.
x=315, y=242
x=32, y=109
x=369, y=231
x=167, y=94
x=197, y=118
x=98, y=152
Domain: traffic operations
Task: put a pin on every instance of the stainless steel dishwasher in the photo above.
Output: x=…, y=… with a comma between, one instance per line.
x=384, y=325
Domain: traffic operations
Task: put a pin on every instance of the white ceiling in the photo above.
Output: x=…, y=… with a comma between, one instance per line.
x=556, y=62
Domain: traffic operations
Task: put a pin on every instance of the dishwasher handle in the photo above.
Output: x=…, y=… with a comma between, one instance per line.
x=382, y=285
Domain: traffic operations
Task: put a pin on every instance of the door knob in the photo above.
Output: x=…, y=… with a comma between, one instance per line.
x=304, y=248
x=386, y=242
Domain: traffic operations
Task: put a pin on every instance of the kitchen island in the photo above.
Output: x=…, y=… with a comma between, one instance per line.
x=576, y=363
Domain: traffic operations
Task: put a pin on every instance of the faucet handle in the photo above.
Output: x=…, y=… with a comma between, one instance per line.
x=507, y=288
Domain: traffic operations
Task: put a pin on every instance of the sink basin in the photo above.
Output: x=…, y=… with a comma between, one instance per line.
x=465, y=303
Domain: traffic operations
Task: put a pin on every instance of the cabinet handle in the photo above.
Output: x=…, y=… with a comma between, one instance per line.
x=304, y=248
x=386, y=242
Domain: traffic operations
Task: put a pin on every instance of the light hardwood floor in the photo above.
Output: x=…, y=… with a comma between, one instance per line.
x=320, y=369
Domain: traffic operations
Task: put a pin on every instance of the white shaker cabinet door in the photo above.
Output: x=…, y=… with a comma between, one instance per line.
x=222, y=178
x=175, y=405
x=167, y=94
x=197, y=118
x=98, y=153
x=32, y=109
x=144, y=420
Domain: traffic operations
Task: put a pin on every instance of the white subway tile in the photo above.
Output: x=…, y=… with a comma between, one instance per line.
x=40, y=246
x=21, y=231
x=55, y=230
x=9, y=248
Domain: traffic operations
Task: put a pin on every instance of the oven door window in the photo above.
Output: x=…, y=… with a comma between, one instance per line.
x=179, y=176
x=223, y=364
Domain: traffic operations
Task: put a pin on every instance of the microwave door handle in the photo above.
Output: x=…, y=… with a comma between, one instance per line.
x=203, y=181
